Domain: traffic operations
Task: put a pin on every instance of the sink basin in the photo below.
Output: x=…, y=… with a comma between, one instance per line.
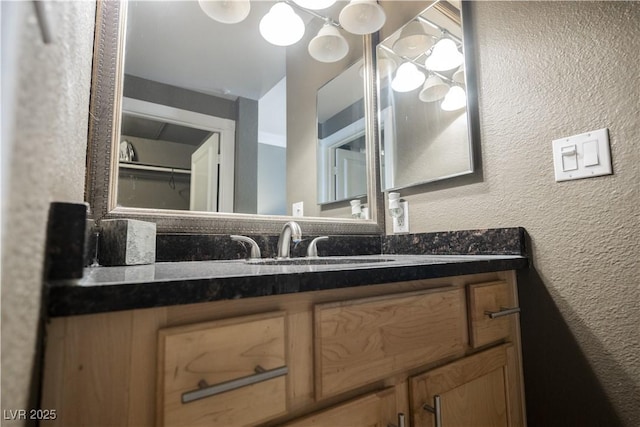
x=317, y=261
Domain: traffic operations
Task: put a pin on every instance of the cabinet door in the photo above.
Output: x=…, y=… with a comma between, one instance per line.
x=372, y=410
x=477, y=391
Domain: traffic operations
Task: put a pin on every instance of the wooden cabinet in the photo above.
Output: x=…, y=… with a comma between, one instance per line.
x=344, y=357
x=373, y=410
x=490, y=308
x=473, y=391
x=211, y=373
x=363, y=340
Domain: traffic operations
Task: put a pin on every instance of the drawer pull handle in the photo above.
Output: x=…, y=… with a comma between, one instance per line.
x=401, y=421
x=206, y=390
x=436, y=410
x=504, y=311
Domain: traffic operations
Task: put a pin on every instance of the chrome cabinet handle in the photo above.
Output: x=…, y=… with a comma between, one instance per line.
x=206, y=390
x=504, y=311
x=401, y=421
x=436, y=410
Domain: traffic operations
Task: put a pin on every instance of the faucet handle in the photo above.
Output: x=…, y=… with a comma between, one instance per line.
x=255, y=249
x=312, y=250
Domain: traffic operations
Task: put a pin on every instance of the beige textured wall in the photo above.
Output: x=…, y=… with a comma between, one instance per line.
x=48, y=158
x=548, y=70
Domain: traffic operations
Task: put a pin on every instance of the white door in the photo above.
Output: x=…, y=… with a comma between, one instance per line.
x=351, y=174
x=205, y=162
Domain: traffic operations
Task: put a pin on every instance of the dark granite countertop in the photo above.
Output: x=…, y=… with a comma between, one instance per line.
x=104, y=289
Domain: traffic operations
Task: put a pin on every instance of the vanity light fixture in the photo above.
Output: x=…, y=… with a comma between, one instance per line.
x=444, y=56
x=281, y=26
x=226, y=11
x=455, y=99
x=362, y=17
x=328, y=45
x=407, y=78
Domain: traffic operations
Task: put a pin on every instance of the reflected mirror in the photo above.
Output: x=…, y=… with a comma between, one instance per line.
x=423, y=90
x=342, y=170
x=215, y=118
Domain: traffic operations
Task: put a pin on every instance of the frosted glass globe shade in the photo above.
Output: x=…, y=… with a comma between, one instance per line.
x=407, y=78
x=328, y=45
x=413, y=41
x=434, y=89
x=362, y=17
x=281, y=26
x=226, y=11
x=455, y=99
x=444, y=57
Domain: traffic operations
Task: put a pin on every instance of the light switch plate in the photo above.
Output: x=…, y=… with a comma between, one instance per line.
x=297, y=209
x=582, y=156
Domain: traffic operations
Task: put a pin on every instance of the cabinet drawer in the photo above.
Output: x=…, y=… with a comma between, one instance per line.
x=485, y=298
x=361, y=341
x=375, y=409
x=230, y=353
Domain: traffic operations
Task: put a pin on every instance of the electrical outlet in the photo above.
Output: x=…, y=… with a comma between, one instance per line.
x=401, y=224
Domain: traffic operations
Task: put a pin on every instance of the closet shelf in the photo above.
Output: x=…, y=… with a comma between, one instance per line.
x=142, y=166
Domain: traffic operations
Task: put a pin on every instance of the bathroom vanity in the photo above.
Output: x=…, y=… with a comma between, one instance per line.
x=435, y=338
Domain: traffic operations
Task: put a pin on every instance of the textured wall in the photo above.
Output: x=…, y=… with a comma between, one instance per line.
x=49, y=146
x=548, y=70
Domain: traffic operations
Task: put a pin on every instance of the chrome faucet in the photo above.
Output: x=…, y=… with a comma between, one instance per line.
x=255, y=249
x=290, y=231
x=312, y=250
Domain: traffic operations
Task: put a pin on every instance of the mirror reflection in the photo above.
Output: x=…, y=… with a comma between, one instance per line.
x=342, y=169
x=216, y=118
x=423, y=116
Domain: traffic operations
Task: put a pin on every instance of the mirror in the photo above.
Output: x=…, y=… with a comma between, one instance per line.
x=158, y=118
x=426, y=100
x=342, y=172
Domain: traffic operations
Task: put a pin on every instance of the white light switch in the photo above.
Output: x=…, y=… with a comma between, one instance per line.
x=582, y=156
x=590, y=149
x=569, y=158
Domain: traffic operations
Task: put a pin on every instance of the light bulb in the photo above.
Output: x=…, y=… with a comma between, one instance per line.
x=407, y=78
x=281, y=26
